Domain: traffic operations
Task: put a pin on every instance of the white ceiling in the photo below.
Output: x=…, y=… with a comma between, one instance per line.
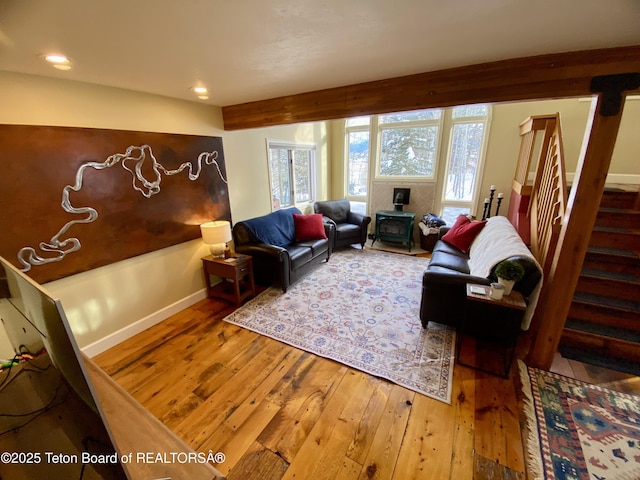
x=246, y=50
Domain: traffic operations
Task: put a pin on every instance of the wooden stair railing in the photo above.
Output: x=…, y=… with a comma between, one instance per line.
x=530, y=133
x=537, y=210
x=583, y=202
x=548, y=198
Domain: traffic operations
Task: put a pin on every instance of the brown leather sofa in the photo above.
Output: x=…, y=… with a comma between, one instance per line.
x=444, y=294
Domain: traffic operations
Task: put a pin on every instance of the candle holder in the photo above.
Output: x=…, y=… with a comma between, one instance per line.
x=492, y=191
x=500, y=196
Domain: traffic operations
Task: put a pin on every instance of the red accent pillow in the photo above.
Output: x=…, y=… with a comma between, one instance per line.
x=462, y=234
x=308, y=227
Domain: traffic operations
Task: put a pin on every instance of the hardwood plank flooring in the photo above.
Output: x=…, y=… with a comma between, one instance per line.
x=277, y=412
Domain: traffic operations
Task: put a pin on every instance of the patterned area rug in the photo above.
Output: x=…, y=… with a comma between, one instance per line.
x=580, y=431
x=361, y=309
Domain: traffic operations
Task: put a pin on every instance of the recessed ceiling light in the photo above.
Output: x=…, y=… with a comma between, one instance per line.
x=59, y=61
x=203, y=97
x=56, y=58
x=200, y=89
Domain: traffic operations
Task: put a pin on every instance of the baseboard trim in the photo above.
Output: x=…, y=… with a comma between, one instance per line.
x=149, y=321
x=615, y=179
x=623, y=179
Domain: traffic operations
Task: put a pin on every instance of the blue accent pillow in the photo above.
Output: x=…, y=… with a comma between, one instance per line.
x=276, y=228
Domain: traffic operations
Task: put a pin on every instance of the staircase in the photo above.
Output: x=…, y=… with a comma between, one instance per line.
x=604, y=319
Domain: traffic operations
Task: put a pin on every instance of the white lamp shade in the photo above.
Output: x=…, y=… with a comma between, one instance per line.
x=216, y=232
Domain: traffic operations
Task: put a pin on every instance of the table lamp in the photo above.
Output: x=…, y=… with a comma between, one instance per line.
x=216, y=234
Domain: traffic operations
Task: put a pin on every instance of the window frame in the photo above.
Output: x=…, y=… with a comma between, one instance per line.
x=381, y=126
x=446, y=124
x=291, y=148
x=348, y=129
x=452, y=121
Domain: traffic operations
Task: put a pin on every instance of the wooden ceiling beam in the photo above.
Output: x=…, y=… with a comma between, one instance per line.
x=531, y=78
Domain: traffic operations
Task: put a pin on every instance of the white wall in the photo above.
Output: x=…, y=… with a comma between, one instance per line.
x=253, y=196
x=504, y=140
x=102, y=302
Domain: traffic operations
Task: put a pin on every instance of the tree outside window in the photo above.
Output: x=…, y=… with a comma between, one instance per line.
x=466, y=145
x=302, y=175
x=408, y=152
x=468, y=129
x=409, y=143
x=357, y=143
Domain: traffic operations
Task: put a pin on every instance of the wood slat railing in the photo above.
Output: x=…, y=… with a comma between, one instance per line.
x=535, y=135
x=548, y=197
x=530, y=130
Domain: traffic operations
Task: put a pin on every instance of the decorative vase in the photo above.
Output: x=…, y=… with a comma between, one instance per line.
x=508, y=285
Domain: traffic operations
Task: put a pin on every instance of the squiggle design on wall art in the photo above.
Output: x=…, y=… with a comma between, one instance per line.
x=132, y=161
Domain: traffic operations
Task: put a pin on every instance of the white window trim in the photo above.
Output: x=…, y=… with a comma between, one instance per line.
x=347, y=130
x=289, y=145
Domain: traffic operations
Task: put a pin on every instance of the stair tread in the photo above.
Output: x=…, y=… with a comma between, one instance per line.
x=609, y=275
x=607, y=302
x=602, y=330
x=614, y=251
x=599, y=228
x=611, y=269
x=628, y=211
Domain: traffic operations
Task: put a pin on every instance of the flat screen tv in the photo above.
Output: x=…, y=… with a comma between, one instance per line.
x=52, y=425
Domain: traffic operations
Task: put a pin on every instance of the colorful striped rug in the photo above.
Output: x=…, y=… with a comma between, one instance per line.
x=579, y=431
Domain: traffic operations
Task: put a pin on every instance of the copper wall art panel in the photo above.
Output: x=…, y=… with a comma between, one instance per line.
x=74, y=199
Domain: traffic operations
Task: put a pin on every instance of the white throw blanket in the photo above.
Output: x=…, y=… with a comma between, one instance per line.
x=497, y=241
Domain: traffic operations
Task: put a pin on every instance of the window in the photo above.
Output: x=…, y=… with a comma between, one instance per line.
x=292, y=173
x=357, y=141
x=468, y=126
x=409, y=143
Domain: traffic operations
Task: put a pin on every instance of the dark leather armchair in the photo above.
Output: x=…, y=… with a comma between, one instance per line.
x=350, y=227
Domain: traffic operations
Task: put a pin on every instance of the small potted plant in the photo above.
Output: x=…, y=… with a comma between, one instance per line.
x=509, y=272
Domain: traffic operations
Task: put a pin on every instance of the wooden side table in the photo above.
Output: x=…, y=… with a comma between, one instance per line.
x=496, y=322
x=237, y=277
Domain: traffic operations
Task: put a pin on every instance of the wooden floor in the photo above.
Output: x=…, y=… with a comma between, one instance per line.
x=277, y=412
